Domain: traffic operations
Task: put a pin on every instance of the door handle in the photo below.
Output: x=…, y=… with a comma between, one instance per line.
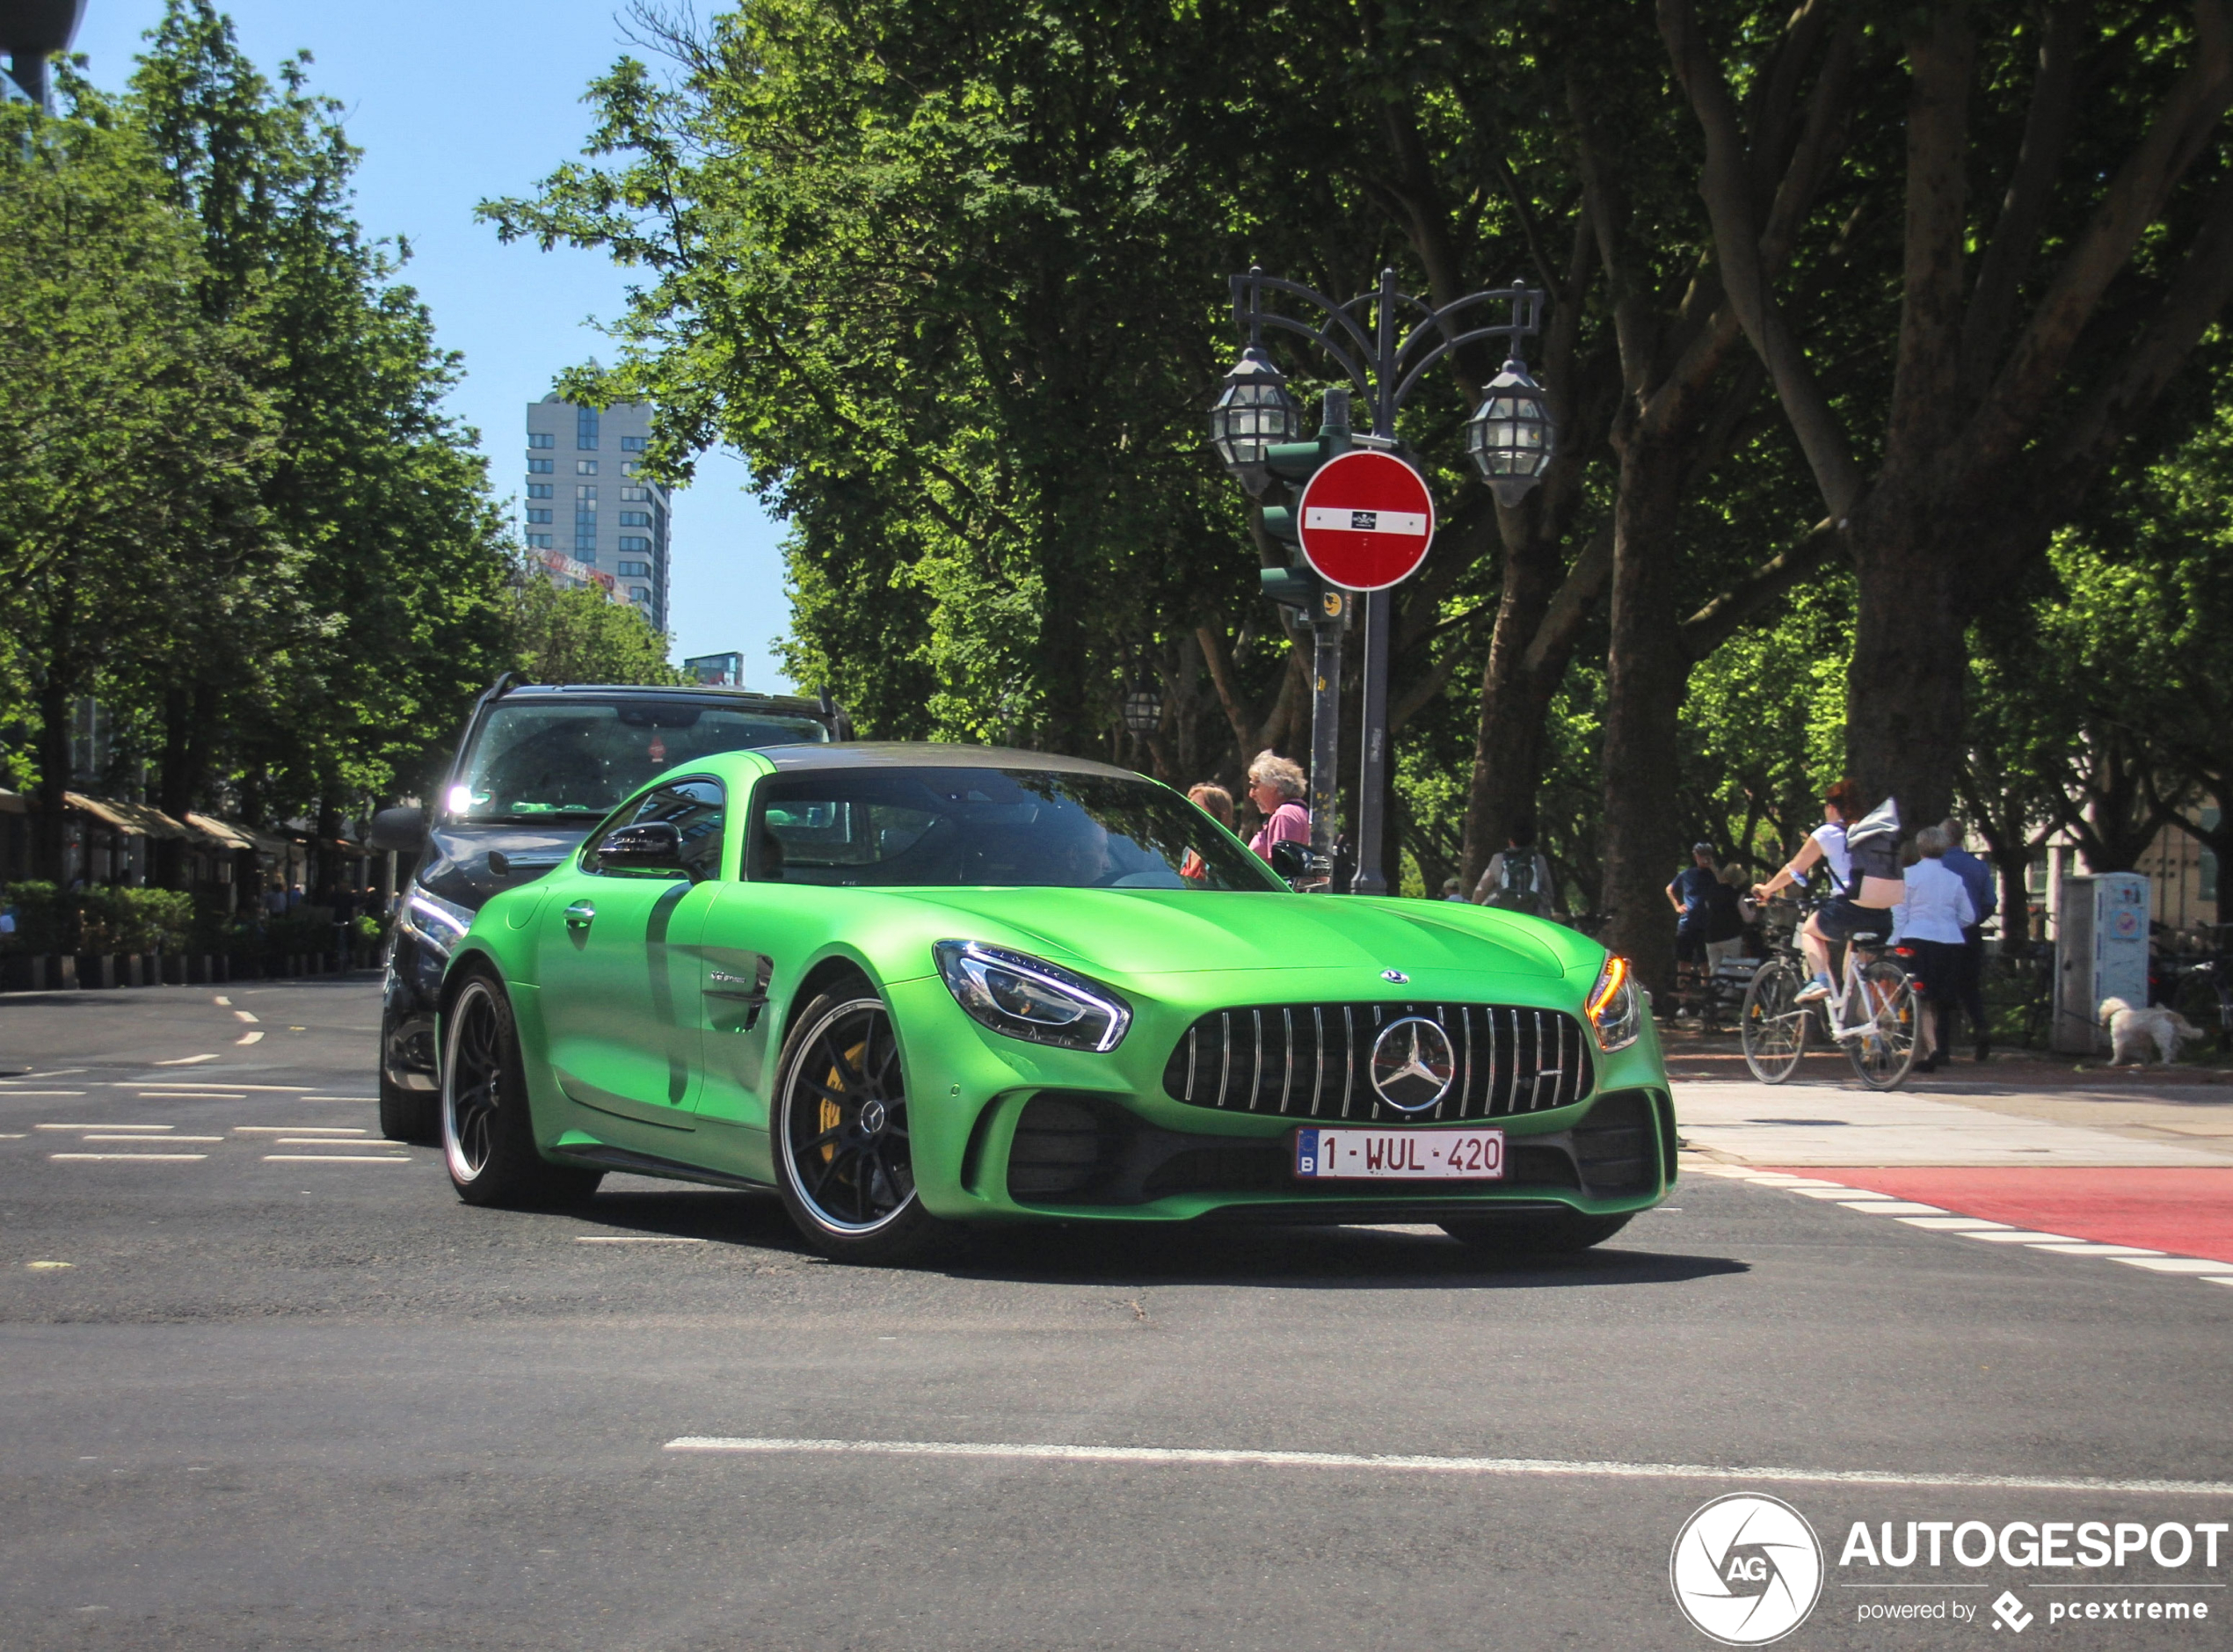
x=581, y=914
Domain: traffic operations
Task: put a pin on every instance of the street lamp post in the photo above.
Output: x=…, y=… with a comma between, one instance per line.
x=1382, y=342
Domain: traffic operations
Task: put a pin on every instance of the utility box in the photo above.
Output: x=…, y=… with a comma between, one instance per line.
x=2100, y=951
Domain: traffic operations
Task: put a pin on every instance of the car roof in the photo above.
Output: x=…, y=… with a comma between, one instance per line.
x=743, y=699
x=927, y=754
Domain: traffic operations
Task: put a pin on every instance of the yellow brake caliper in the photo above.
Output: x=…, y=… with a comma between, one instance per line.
x=827, y=1118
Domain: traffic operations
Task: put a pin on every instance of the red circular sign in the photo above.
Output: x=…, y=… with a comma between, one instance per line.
x=1366, y=521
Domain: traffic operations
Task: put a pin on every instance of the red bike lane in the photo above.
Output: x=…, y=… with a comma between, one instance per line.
x=2184, y=1211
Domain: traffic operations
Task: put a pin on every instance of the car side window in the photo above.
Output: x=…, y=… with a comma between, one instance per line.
x=696, y=809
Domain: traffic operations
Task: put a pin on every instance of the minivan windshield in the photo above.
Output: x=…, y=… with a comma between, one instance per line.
x=535, y=761
x=951, y=827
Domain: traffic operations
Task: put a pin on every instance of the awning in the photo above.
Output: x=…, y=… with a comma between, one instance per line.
x=12, y=803
x=228, y=834
x=139, y=818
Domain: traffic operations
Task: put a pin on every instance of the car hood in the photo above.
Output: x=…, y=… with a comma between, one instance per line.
x=1160, y=932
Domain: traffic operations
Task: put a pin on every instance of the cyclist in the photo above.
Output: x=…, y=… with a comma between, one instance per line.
x=1866, y=886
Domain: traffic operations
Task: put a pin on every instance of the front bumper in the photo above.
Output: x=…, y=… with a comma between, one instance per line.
x=1002, y=1129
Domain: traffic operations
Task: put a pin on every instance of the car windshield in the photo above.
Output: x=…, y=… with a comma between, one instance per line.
x=533, y=761
x=953, y=827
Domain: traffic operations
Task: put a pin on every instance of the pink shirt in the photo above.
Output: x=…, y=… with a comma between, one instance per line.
x=1290, y=823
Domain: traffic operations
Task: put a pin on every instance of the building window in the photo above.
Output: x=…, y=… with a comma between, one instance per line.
x=539, y=542
x=584, y=467
x=636, y=496
x=634, y=541
x=539, y=489
x=584, y=490
x=634, y=444
x=585, y=547
x=636, y=519
x=538, y=516
x=539, y=467
x=640, y=594
x=628, y=467
x=635, y=570
x=586, y=429
x=542, y=439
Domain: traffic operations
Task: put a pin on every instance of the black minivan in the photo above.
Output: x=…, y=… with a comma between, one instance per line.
x=538, y=768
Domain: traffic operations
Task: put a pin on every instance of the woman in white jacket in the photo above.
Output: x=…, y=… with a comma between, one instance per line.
x=1929, y=923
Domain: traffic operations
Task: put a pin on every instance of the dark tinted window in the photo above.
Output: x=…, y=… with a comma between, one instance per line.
x=962, y=826
x=693, y=808
x=535, y=760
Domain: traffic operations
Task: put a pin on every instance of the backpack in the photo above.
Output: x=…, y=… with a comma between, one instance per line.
x=1516, y=890
x=1874, y=844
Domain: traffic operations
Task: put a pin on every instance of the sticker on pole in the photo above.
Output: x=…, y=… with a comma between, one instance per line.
x=1367, y=519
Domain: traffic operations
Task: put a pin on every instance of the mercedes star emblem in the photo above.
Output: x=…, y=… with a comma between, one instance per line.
x=1413, y=1064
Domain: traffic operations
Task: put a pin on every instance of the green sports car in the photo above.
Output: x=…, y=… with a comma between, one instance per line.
x=913, y=987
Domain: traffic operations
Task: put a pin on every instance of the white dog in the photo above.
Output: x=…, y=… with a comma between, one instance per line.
x=2135, y=1032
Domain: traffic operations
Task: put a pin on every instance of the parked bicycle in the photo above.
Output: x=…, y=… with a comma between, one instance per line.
x=1874, y=1011
x=2200, y=987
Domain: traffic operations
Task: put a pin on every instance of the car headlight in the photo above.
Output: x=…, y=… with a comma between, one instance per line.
x=1616, y=1007
x=438, y=923
x=1029, y=998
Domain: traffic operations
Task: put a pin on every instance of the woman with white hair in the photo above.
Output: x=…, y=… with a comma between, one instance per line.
x=1930, y=922
x=1276, y=786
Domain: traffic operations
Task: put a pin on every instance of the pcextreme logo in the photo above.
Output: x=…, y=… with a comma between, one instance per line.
x=1746, y=1569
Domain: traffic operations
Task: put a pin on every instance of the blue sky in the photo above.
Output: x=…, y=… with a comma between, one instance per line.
x=453, y=104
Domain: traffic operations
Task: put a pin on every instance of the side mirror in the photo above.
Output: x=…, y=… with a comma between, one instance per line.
x=1292, y=862
x=654, y=845
x=401, y=830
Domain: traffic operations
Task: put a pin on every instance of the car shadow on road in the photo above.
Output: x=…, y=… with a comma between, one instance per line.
x=1333, y=1258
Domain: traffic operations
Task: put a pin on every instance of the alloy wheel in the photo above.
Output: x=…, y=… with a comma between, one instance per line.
x=472, y=1078
x=845, y=1122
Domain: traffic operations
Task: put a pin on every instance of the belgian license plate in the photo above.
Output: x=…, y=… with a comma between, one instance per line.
x=1416, y=1155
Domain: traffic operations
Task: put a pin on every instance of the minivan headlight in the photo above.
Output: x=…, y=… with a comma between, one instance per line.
x=1029, y=998
x=1615, y=1005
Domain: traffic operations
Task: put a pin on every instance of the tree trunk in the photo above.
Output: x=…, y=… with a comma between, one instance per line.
x=1903, y=718
x=189, y=723
x=1508, y=747
x=50, y=813
x=1646, y=677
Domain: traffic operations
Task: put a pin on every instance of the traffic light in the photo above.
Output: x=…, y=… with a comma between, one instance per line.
x=1293, y=588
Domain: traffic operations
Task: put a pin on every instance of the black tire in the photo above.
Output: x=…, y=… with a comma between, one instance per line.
x=1537, y=1234
x=1884, y=1056
x=488, y=1134
x=838, y=1130
x=412, y=1116
x=1772, y=1023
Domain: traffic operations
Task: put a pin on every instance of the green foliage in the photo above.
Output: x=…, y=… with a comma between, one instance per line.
x=98, y=922
x=580, y=635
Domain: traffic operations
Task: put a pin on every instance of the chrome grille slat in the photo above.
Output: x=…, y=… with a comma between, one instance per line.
x=1511, y=1060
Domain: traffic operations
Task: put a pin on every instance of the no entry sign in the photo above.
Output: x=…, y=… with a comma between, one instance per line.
x=1367, y=520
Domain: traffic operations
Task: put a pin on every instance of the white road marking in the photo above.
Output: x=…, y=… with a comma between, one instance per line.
x=2218, y=1278
x=118, y=1158
x=186, y=1086
x=185, y=1060
x=242, y=1015
x=291, y=1129
x=191, y=1096
x=2019, y=1236
x=316, y=1141
x=42, y=1266
x=1892, y=1207
x=634, y=1238
x=1832, y=1191
x=52, y=1072
x=1951, y=1224
x=250, y=1037
x=1184, y=1457
x=141, y=1136
x=2087, y=1247
x=222, y=998
x=111, y=1124
x=50, y=1094
x=2172, y=1264
x=330, y=1158
x=340, y=1098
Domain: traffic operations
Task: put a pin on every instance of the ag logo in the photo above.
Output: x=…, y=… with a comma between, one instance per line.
x=1746, y=1569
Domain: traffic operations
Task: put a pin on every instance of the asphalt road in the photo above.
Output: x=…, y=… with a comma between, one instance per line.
x=291, y=1392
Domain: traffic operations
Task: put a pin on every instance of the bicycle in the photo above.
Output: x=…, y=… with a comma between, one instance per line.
x=1873, y=1012
x=2199, y=988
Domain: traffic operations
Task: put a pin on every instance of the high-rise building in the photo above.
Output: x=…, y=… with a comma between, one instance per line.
x=586, y=501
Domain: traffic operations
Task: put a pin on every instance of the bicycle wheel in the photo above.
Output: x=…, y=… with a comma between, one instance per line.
x=1772, y=1023
x=2202, y=1000
x=1884, y=1055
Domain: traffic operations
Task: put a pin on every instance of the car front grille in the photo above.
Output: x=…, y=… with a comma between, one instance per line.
x=1315, y=1060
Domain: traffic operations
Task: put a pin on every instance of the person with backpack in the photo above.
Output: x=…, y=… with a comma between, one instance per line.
x=1518, y=878
x=1861, y=847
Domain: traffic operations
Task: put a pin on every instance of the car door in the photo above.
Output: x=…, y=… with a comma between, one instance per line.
x=620, y=968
